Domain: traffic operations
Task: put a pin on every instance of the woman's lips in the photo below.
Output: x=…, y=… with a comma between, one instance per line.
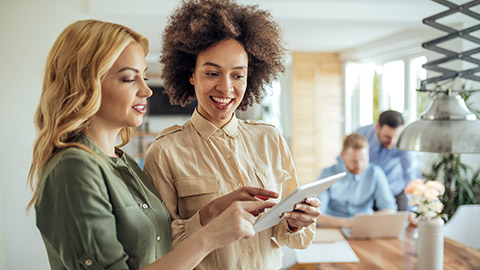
x=140, y=108
x=222, y=102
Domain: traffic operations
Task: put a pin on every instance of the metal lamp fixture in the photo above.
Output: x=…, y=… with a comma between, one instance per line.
x=447, y=126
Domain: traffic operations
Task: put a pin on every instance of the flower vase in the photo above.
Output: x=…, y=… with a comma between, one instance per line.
x=430, y=244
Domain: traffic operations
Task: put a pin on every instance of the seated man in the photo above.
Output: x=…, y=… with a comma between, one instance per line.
x=399, y=166
x=355, y=193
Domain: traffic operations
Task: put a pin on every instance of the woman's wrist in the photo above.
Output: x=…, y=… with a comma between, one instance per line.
x=203, y=241
x=206, y=213
x=293, y=229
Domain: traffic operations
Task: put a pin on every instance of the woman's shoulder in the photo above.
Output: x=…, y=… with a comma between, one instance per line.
x=259, y=126
x=75, y=153
x=173, y=136
x=72, y=160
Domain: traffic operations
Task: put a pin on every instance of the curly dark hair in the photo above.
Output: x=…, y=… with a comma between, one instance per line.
x=198, y=24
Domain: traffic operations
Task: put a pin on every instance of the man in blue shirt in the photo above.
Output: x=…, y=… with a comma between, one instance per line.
x=399, y=166
x=356, y=192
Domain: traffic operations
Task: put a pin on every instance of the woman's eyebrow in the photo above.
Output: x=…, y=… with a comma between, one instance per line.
x=218, y=66
x=128, y=68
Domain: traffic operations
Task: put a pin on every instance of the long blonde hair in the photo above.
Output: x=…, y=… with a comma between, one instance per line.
x=71, y=93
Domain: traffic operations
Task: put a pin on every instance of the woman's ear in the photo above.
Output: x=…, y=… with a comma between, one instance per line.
x=191, y=80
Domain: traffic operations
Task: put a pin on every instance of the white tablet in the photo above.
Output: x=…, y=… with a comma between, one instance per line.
x=272, y=217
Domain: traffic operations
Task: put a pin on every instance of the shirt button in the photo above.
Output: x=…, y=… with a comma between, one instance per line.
x=228, y=157
x=158, y=238
x=249, y=250
x=88, y=262
x=239, y=185
x=144, y=206
x=220, y=132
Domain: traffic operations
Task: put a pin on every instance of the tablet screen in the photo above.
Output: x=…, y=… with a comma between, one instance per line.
x=272, y=217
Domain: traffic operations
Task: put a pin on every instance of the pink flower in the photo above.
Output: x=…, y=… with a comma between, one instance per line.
x=425, y=197
x=436, y=185
x=412, y=186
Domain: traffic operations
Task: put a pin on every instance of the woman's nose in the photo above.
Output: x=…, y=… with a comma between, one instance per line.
x=225, y=85
x=145, y=90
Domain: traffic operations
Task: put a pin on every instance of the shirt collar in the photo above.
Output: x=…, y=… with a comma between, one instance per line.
x=85, y=140
x=206, y=128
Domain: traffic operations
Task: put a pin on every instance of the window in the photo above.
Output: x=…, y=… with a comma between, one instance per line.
x=373, y=87
x=392, y=91
x=359, y=97
x=418, y=100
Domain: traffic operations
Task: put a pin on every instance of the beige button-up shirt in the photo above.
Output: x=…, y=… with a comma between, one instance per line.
x=193, y=164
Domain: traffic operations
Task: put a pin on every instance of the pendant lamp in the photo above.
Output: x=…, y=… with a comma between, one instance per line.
x=447, y=126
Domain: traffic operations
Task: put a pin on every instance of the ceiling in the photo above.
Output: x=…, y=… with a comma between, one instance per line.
x=308, y=25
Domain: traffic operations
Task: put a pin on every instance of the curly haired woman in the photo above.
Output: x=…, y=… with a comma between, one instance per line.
x=95, y=208
x=223, y=54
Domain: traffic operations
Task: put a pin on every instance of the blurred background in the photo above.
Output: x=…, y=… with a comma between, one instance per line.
x=348, y=60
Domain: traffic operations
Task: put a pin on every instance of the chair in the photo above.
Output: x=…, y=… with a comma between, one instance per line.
x=463, y=226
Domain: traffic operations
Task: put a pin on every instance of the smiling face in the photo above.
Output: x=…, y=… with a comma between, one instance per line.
x=124, y=90
x=220, y=80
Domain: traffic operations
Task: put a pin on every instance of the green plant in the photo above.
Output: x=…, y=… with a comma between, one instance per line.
x=466, y=96
x=462, y=183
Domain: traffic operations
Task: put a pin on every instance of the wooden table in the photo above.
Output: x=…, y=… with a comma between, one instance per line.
x=399, y=253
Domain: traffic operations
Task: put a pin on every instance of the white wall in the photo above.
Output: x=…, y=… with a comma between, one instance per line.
x=27, y=31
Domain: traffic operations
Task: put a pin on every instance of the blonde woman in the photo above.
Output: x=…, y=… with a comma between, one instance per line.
x=95, y=208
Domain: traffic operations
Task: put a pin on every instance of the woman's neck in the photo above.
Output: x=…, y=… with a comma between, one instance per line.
x=103, y=137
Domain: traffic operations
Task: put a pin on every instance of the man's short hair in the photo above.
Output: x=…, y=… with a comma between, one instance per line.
x=390, y=118
x=355, y=141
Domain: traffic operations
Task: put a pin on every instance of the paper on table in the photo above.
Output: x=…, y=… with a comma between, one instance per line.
x=328, y=235
x=329, y=246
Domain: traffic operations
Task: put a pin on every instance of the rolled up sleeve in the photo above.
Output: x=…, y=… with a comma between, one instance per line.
x=304, y=237
x=156, y=167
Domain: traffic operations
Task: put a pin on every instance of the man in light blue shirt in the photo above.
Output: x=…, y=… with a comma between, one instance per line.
x=399, y=166
x=356, y=192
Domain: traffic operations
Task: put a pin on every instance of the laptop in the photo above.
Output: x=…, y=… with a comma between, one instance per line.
x=378, y=225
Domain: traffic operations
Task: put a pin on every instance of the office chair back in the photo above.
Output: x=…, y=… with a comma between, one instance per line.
x=463, y=226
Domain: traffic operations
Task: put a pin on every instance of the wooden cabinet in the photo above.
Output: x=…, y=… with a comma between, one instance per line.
x=317, y=112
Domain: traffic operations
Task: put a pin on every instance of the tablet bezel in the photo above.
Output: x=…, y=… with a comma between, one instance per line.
x=272, y=217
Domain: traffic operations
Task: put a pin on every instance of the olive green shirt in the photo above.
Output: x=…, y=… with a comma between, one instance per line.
x=100, y=212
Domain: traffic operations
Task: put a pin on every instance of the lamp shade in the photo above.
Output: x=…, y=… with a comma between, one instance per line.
x=446, y=127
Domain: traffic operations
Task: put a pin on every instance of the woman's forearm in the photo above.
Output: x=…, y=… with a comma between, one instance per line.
x=197, y=246
x=235, y=223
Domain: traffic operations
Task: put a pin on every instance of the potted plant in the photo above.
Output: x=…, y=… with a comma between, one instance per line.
x=462, y=183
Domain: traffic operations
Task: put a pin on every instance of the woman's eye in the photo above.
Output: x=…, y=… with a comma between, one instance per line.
x=211, y=74
x=128, y=81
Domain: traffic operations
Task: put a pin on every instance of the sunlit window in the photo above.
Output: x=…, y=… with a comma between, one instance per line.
x=417, y=100
x=371, y=88
x=392, y=93
x=358, y=95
